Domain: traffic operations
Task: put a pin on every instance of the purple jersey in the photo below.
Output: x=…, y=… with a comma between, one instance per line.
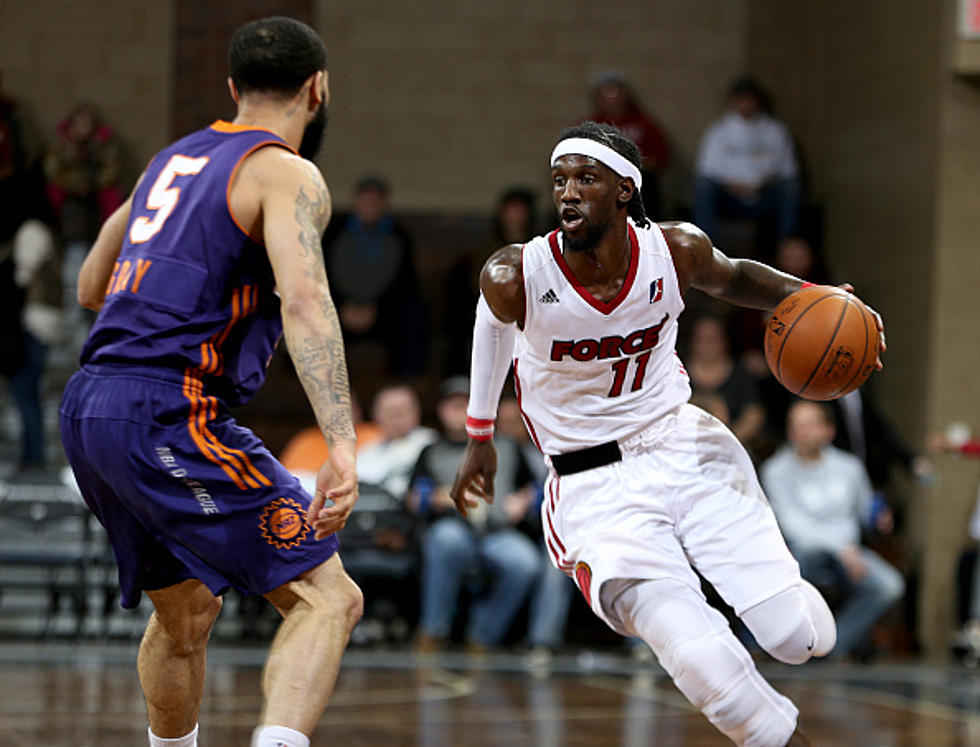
x=189, y=324
x=191, y=291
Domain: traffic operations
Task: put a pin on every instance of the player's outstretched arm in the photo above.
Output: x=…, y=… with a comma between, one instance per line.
x=296, y=208
x=501, y=305
x=743, y=282
x=93, y=278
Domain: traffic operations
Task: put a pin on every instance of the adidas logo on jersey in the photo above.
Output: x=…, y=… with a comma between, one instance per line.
x=549, y=297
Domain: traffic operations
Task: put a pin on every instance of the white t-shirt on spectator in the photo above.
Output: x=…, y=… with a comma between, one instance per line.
x=736, y=150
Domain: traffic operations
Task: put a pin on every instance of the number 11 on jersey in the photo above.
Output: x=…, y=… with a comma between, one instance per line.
x=620, y=369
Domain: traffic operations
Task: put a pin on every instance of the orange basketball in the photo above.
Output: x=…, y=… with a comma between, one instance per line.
x=821, y=342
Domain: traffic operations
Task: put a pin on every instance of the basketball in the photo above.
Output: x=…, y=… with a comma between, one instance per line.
x=821, y=342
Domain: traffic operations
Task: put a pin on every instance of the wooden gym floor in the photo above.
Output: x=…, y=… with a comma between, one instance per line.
x=86, y=694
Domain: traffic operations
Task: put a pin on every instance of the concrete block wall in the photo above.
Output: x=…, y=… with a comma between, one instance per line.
x=452, y=101
x=893, y=136
x=116, y=53
x=456, y=101
x=858, y=83
x=202, y=30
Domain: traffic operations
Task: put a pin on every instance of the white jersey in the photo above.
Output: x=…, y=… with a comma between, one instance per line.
x=588, y=372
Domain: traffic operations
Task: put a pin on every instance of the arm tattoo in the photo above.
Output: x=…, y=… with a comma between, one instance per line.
x=322, y=369
x=317, y=350
x=312, y=214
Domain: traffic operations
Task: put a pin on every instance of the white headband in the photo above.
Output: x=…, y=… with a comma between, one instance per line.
x=583, y=146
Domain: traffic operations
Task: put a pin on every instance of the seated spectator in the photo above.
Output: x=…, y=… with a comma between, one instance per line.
x=83, y=167
x=513, y=223
x=553, y=591
x=956, y=440
x=371, y=265
x=484, y=546
x=615, y=103
x=863, y=430
x=389, y=462
x=746, y=167
x=713, y=370
x=306, y=452
x=797, y=256
x=821, y=497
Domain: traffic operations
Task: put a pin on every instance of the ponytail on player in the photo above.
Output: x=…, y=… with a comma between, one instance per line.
x=616, y=139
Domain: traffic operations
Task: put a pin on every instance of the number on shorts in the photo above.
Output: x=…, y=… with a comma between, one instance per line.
x=163, y=197
x=619, y=374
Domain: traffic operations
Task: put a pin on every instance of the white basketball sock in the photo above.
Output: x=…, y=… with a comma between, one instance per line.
x=188, y=740
x=279, y=736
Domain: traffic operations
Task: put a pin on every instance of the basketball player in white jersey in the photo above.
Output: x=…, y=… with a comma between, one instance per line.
x=642, y=486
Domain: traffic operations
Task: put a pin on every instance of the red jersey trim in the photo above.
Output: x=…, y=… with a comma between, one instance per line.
x=527, y=420
x=670, y=254
x=601, y=306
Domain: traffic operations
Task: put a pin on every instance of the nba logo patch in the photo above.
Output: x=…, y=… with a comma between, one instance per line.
x=283, y=523
x=583, y=577
x=656, y=290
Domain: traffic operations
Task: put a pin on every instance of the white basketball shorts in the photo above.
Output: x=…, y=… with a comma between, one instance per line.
x=685, y=494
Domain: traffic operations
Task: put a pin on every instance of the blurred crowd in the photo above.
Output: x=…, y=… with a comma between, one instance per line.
x=832, y=471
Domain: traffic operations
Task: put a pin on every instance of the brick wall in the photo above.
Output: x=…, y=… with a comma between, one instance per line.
x=203, y=29
x=858, y=82
x=893, y=138
x=116, y=53
x=455, y=101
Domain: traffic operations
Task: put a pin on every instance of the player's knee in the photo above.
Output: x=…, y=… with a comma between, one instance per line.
x=784, y=626
x=352, y=603
x=798, y=646
x=342, y=602
x=190, y=629
x=821, y=617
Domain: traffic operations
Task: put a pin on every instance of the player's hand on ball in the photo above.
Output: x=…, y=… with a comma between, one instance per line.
x=878, y=320
x=474, y=479
x=336, y=491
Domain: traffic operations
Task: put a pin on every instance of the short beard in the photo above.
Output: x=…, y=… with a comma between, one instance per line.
x=585, y=243
x=313, y=134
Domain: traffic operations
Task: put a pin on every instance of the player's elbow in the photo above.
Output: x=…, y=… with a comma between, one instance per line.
x=90, y=298
x=305, y=304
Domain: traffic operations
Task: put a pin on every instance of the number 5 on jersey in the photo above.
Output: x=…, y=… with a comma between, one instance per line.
x=163, y=197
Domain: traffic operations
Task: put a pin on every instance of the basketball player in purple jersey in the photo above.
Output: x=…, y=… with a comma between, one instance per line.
x=213, y=256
